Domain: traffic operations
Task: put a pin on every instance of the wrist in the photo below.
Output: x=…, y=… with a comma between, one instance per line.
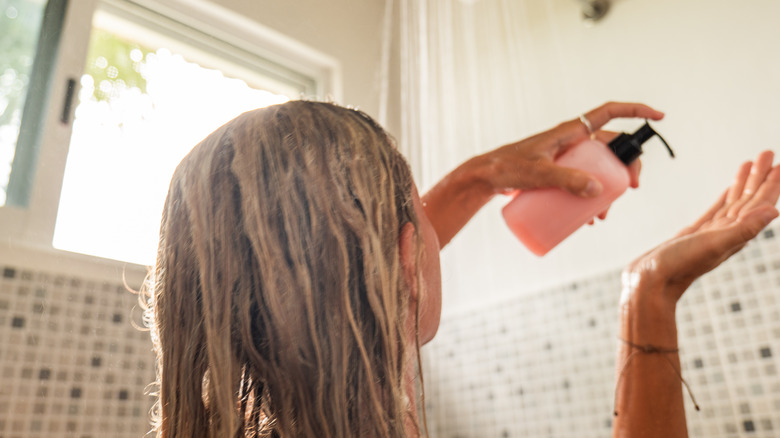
x=647, y=311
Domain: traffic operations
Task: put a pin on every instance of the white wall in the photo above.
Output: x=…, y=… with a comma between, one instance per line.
x=710, y=65
x=348, y=30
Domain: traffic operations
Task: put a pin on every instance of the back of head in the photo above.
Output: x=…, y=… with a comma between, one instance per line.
x=278, y=303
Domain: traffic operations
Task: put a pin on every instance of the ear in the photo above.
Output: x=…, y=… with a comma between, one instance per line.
x=407, y=251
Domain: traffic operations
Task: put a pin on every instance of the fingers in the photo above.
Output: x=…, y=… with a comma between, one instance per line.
x=700, y=252
x=756, y=184
x=574, y=181
x=575, y=131
x=734, y=192
x=759, y=171
x=748, y=227
x=605, y=136
x=634, y=169
x=707, y=217
x=768, y=193
x=600, y=116
x=750, y=179
x=738, y=186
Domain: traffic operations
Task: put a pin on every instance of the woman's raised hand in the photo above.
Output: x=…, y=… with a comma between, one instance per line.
x=529, y=163
x=526, y=164
x=740, y=213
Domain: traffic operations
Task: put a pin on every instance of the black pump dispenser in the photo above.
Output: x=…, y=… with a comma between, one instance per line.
x=627, y=147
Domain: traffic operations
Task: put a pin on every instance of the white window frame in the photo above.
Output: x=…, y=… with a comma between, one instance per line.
x=32, y=227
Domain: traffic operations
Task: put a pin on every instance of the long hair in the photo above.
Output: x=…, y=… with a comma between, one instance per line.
x=278, y=303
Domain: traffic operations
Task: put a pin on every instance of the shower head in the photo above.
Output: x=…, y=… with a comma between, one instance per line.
x=594, y=10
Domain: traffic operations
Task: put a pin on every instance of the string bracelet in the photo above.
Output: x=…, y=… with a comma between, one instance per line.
x=651, y=349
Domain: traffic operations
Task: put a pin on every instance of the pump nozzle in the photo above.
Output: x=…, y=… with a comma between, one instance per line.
x=627, y=147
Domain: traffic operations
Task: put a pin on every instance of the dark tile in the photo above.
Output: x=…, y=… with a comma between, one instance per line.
x=75, y=393
x=17, y=322
x=768, y=234
x=736, y=306
x=749, y=426
x=117, y=318
x=698, y=363
x=36, y=426
x=123, y=394
x=96, y=362
x=766, y=352
x=44, y=374
x=9, y=272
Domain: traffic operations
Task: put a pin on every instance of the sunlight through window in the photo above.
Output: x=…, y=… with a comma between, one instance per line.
x=140, y=111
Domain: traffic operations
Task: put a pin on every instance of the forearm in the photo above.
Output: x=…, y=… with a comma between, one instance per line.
x=649, y=398
x=454, y=200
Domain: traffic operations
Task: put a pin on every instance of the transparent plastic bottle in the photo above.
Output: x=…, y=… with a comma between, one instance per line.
x=543, y=218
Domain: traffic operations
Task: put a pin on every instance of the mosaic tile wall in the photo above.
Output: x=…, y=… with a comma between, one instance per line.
x=543, y=365
x=72, y=363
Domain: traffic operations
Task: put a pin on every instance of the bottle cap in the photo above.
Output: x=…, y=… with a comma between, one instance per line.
x=628, y=147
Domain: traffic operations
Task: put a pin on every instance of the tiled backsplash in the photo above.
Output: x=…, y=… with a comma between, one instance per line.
x=543, y=365
x=72, y=362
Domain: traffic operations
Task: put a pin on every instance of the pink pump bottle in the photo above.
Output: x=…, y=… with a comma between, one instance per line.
x=542, y=218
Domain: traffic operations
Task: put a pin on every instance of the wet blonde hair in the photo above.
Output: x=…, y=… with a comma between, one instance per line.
x=278, y=303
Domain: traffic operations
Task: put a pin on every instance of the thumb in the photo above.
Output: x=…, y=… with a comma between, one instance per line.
x=574, y=181
x=752, y=223
x=744, y=229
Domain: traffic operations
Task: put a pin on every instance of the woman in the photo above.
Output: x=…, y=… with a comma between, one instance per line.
x=298, y=274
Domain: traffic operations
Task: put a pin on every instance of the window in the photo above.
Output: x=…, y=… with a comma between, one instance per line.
x=24, y=66
x=146, y=99
x=137, y=85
